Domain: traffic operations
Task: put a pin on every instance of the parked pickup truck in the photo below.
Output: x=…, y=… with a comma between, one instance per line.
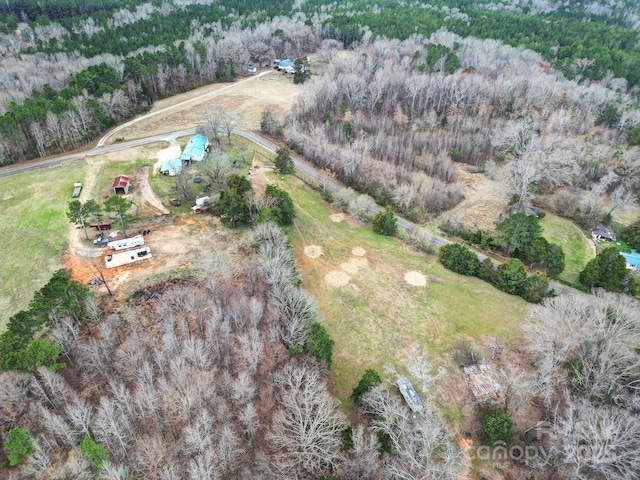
x=77, y=188
x=101, y=241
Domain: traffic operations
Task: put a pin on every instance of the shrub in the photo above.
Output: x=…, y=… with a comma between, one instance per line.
x=368, y=380
x=94, y=453
x=18, y=446
x=282, y=211
x=486, y=271
x=535, y=288
x=631, y=235
x=320, y=344
x=510, y=276
x=459, y=259
x=497, y=427
x=296, y=350
x=384, y=223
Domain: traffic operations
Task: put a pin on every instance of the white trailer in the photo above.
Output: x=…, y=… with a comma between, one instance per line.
x=125, y=243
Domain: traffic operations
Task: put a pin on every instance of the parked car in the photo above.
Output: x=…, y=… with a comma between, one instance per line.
x=251, y=69
x=101, y=241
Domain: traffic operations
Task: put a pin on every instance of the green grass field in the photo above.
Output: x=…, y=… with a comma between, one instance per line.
x=577, y=247
x=378, y=315
x=34, y=230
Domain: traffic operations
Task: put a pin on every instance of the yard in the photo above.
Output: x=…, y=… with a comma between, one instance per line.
x=34, y=230
x=377, y=296
x=578, y=248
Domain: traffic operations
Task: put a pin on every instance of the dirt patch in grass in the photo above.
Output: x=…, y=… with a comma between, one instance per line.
x=415, y=279
x=484, y=199
x=336, y=278
x=354, y=265
x=337, y=217
x=313, y=251
x=358, y=251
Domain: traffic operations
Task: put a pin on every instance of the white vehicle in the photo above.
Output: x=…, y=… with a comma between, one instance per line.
x=125, y=243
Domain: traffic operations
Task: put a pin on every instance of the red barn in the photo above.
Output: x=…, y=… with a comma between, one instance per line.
x=121, y=184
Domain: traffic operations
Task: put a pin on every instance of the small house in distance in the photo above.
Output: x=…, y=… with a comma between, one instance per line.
x=195, y=150
x=603, y=233
x=121, y=184
x=410, y=395
x=171, y=167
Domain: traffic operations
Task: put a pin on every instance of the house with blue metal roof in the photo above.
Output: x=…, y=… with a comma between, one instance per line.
x=171, y=167
x=286, y=65
x=196, y=149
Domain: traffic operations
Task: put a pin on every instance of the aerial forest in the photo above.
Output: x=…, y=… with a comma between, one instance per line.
x=223, y=369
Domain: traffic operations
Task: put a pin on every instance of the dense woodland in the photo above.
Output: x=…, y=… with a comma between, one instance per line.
x=392, y=119
x=156, y=49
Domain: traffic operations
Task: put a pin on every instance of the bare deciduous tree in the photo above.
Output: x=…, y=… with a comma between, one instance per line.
x=305, y=432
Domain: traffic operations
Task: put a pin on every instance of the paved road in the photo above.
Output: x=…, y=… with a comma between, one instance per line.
x=301, y=165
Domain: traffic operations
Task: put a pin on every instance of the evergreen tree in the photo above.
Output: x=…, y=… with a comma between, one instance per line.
x=385, y=223
x=607, y=270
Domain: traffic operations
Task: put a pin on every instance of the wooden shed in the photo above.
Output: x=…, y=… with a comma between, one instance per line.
x=121, y=184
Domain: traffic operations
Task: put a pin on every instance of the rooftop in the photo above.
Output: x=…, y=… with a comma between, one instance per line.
x=410, y=395
x=121, y=181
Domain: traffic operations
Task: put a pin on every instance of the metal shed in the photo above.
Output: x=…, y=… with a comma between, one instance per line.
x=121, y=184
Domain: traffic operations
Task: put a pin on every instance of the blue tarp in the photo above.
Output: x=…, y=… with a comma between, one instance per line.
x=632, y=258
x=194, y=151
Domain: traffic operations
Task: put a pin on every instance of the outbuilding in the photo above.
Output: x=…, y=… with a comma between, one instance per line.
x=171, y=167
x=121, y=184
x=195, y=149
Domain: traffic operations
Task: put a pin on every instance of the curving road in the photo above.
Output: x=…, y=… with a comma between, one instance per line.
x=102, y=148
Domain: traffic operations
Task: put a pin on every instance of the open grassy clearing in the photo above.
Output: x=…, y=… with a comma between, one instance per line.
x=247, y=98
x=376, y=315
x=34, y=230
x=578, y=249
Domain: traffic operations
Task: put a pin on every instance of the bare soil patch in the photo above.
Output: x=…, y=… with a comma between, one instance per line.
x=358, y=251
x=313, y=251
x=336, y=278
x=337, y=217
x=354, y=265
x=177, y=243
x=144, y=196
x=415, y=279
x=484, y=200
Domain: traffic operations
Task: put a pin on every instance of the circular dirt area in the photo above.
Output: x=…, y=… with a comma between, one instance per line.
x=354, y=265
x=336, y=278
x=415, y=278
x=313, y=251
x=358, y=251
x=337, y=217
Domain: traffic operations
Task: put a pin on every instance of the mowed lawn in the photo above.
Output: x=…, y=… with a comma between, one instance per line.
x=377, y=315
x=34, y=231
x=578, y=249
